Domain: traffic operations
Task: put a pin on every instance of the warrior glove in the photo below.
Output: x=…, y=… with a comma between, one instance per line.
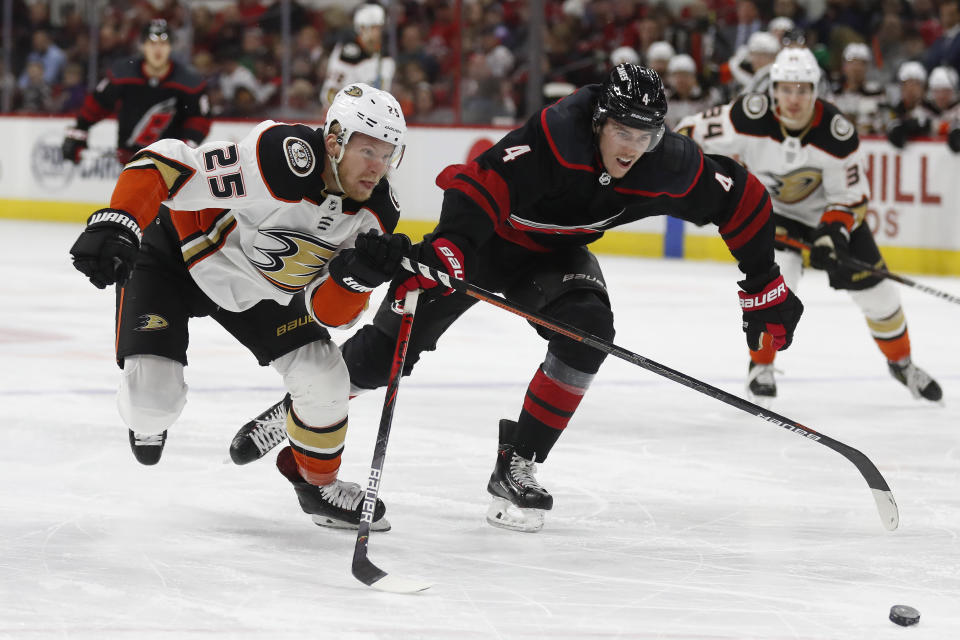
x=375, y=259
x=769, y=307
x=108, y=247
x=441, y=254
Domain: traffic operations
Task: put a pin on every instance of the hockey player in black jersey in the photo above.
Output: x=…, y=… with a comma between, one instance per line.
x=518, y=219
x=152, y=96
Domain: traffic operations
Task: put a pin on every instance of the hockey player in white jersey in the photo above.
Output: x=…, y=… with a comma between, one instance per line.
x=808, y=156
x=275, y=237
x=361, y=59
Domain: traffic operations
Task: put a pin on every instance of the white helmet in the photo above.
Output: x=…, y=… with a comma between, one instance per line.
x=660, y=50
x=368, y=15
x=943, y=78
x=795, y=65
x=621, y=55
x=359, y=108
x=763, y=42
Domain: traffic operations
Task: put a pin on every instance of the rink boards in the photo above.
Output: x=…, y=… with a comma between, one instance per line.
x=911, y=211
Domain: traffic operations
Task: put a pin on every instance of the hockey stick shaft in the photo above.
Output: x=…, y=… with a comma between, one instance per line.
x=881, y=491
x=362, y=568
x=853, y=263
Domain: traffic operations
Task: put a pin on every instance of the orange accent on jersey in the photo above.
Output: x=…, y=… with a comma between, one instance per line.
x=317, y=472
x=189, y=223
x=843, y=217
x=766, y=353
x=896, y=349
x=139, y=192
x=334, y=305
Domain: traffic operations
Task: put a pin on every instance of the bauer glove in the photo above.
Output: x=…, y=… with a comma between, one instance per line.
x=769, y=307
x=441, y=254
x=108, y=247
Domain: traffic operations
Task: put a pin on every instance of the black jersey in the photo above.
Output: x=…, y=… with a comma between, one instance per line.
x=149, y=109
x=543, y=187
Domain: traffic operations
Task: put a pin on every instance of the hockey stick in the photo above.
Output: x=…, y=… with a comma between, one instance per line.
x=363, y=569
x=853, y=263
x=882, y=495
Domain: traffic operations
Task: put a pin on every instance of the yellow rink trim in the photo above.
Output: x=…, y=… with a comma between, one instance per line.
x=628, y=243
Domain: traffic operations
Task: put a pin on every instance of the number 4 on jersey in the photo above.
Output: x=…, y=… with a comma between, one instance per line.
x=512, y=153
x=725, y=181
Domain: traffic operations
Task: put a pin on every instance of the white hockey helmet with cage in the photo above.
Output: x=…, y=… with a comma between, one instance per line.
x=359, y=108
x=369, y=15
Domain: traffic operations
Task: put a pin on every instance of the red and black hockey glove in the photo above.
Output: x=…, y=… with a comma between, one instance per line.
x=441, y=254
x=769, y=307
x=375, y=259
x=73, y=145
x=108, y=247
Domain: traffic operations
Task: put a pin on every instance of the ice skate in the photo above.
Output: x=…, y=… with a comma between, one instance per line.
x=147, y=447
x=918, y=381
x=518, y=499
x=256, y=438
x=761, y=384
x=337, y=505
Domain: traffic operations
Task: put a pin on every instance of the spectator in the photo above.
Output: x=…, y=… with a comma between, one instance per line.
x=425, y=109
x=73, y=91
x=684, y=94
x=857, y=97
x=50, y=56
x=658, y=56
x=912, y=116
x=946, y=48
x=36, y=94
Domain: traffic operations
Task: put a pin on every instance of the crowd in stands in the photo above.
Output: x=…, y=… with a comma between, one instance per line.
x=888, y=63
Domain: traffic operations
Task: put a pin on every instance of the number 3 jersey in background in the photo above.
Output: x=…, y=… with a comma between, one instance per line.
x=807, y=173
x=254, y=220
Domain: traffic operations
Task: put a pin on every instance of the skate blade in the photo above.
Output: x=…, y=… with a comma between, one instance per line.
x=765, y=402
x=504, y=514
x=332, y=523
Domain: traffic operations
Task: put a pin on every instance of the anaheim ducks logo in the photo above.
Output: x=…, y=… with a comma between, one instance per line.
x=151, y=322
x=354, y=91
x=289, y=259
x=797, y=185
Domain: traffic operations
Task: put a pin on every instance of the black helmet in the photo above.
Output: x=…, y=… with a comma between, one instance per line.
x=156, y=30
x=633, y=96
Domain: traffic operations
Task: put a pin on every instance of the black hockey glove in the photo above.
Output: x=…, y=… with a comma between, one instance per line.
x=375, y=259
x=953, y=140
x=441, y=254
x=831, y=245
x=73, y=144
x=108, y=247
x=769, y=307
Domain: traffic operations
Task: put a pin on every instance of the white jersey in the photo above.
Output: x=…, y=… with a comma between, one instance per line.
x=254, y=220
x=350, y=63
x=816, y=171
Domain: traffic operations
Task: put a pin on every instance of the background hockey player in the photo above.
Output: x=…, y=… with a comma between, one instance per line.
x=808, y=156
x=518, y=219
x=152, y=96
x=361, y=59
x=274, y=236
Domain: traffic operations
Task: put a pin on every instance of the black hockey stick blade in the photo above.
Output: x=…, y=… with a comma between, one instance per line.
x=852, y=263
x=363, y=569
x=882, y=495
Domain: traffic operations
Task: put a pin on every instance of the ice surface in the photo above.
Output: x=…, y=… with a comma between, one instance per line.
x=676, y=516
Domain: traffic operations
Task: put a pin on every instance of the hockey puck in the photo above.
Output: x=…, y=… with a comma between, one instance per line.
x=903, y=615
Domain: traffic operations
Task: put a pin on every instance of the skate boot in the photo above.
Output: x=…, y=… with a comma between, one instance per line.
x=518, y=499
x=147, y=447
x=761, y=385
x=919, y=382
x=337, y=505
x=256, y=438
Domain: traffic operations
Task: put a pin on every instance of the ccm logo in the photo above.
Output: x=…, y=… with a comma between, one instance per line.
x=765, y=298
x=456, y=269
